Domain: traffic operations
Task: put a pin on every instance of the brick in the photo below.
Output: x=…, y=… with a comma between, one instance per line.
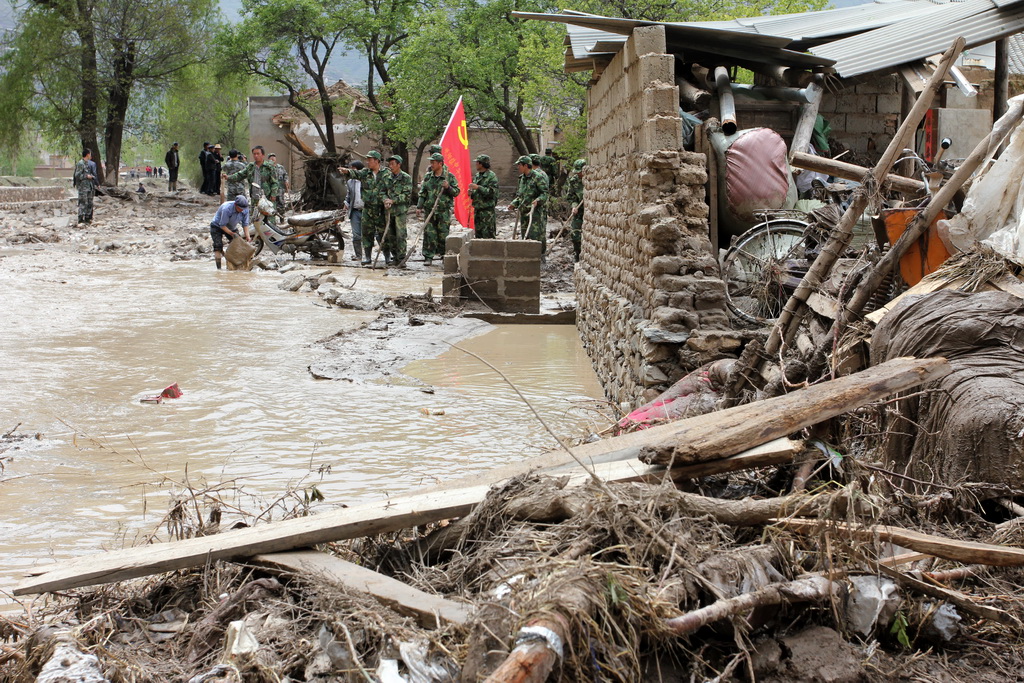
x=662, y=132
x=864, y=123
x=451, y=263
x=526, y=305
x=482, y=288
x=888, y=104
x=661, y=99
x=484, y=269
x=451, y=285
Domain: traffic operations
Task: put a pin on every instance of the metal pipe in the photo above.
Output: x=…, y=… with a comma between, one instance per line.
x=961, y=82
x=809, y=95
x=726, y=102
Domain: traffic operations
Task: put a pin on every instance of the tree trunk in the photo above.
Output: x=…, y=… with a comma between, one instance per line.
x=117, y=109
x=87, y=123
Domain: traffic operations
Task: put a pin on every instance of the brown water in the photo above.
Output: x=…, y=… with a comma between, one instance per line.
x=84, y=339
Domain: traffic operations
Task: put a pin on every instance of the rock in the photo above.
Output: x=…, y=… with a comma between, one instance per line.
x=360, y=301
x=306, y=287
x=817, y=654
x=292, y=282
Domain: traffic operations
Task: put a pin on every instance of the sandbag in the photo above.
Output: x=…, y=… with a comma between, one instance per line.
x=238, y=254
x=968, y=425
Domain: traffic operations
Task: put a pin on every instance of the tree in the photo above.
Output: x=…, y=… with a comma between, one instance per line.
x=288, y=44
x=71, y=63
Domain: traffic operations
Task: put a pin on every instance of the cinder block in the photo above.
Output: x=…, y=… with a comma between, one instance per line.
x=521, y=288
x=486, y=248
x=655, y=67
x=451, y=285
x=484, y=269
x=888, y=104
x=453, y=244
x=648, y=39
x=483, y=289
x=661, y=99
x=864, y=123
x=521, y=269
x=451, y=264
x=662, y=132
x=520, y=249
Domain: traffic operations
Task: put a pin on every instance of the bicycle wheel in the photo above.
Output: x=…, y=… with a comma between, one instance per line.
x=763, y=267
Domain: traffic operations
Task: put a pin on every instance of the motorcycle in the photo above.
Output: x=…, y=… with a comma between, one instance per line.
x=316, y=233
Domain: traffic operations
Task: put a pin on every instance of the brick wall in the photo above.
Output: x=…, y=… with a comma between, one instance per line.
x=864, y=116
x=647, y=282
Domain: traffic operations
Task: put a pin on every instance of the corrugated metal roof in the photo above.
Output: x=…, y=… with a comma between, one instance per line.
x=745, y=50
x=1015, y=54
x=927, y=34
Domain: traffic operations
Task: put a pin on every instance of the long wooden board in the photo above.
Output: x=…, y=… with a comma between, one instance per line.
x=969, y=552
x=737, y=429
x=430, y=610
x=353, y=522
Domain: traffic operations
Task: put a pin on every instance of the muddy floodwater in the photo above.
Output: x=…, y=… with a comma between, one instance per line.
x=83, y=339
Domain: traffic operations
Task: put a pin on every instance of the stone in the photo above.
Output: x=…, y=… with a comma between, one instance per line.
x=360, y=301
x=292, y=282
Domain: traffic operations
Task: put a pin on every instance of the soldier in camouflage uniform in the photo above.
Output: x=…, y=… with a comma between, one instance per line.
x=282, y=180
x=535, y=162
x=233, y=165
x=574, y=195
x=531, y=202
x=397, y=197
x=550, y=166
x=85, y=180
x=439, y=188
x=261, y=178
x=483, y=191
x=372, y=179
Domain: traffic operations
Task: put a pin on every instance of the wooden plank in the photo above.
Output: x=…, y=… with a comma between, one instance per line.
x=430, y=610
x=843, y=169
x=968, y=552
x=737, y=429
x=362, y=520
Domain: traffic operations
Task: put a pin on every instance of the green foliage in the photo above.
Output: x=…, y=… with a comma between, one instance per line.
x=899, y=629
x=24, y=166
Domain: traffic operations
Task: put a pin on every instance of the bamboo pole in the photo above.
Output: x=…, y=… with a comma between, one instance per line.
x=841, y=236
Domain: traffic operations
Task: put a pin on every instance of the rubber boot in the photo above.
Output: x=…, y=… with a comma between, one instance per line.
x=357, y=250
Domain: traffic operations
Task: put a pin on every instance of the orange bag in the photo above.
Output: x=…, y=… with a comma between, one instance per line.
x=925, y=255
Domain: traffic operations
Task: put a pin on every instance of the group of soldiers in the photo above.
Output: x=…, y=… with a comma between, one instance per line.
x=387, y=196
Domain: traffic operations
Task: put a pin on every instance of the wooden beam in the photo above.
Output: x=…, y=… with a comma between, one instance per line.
x=968, y=552
x=842, y=169
x=431, y=611
x=737, y=429
x=1001, y=85
x=365, y=520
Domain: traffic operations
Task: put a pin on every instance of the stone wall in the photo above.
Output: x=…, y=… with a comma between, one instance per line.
x=33, y=197
x=864, y=116
x=648, y=288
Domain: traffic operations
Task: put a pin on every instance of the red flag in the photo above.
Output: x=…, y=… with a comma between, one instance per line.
x=455, y=149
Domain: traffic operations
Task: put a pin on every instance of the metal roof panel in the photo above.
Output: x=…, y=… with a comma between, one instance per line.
x=978, y=21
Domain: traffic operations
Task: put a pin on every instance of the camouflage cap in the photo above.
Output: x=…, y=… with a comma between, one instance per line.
x=579, y=164
x=435, y=149
x=524, y=160
x=535, y=158
x=374, y=155
x=483, y=158
x=436, y=156
x=395, y=157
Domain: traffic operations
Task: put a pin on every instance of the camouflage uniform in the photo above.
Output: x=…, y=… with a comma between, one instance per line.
x=233, y=188
x=537, y=168
x=485, y=198
x=574, y=195
x=373, y=206
x=436, y=231
x=397, y=188
x=533, y=186
x=262, y=181
x=550, y=167
x=86, y=189
x=282, y=180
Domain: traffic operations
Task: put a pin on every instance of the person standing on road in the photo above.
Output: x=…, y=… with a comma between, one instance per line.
x=232, y=166
x=531, y=202
x=216, y=161
x=85, y=180
x=262, y=180
x=204, y=164
x=282, y=181
x=437, y=194
x=354, y=206
x=397, y=197
x=574, y=195
x=372, y=180
x=483, y=192
x=231, y=219
x=172, y=162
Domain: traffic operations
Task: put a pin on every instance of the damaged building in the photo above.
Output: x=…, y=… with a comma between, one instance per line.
x=664, y=194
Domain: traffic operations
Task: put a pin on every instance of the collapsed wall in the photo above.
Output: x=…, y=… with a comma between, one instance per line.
x=651, y=304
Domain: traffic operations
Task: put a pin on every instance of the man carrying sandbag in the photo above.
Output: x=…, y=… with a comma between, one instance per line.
x=231, y=218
